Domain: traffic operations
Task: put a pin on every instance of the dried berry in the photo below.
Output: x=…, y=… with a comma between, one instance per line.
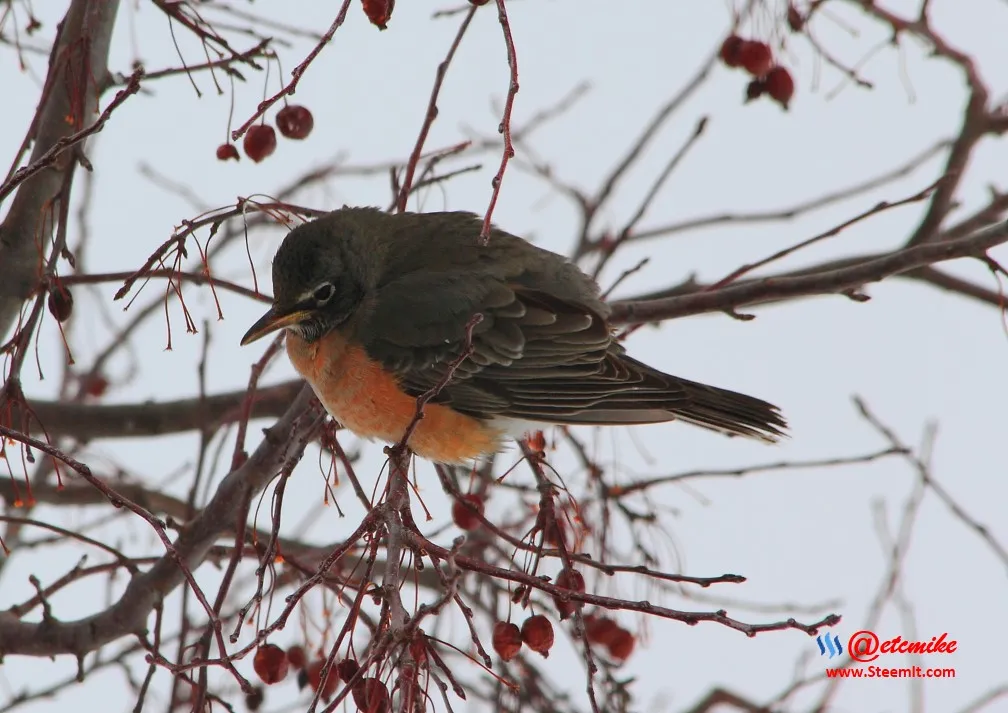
x=254, y=698
x=794, y=19
x=60, y=303
x=755, y=89
x=507, y=640
x=378, y=11
x=270, y=664
x=347, y=669
x=756, y=57
x=259, y=142
x=780, y=86
x=296, y=657
x=295, y=122
x=372, y=696
x=621, y=645
x=573, y=580
x=730, y=51
x=462, y=513
x=314, y=672
x=227, y=152
x=537, y=633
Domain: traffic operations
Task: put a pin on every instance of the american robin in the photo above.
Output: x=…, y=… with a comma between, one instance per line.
x=378, y=306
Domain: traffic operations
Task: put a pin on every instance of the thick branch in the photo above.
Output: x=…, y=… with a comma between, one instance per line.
x=852, y=275
x=88, y=422
x=77, y=75
x=282, y=445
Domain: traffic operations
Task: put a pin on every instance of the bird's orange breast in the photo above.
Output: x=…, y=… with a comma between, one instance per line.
x=366, y=399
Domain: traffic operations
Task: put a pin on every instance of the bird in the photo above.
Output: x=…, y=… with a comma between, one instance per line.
x=379, y=307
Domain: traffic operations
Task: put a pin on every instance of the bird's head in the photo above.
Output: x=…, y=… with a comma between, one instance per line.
x=317, y=281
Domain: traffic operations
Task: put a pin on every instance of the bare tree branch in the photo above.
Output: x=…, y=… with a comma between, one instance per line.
x=853, y=274
x=77, y=76
x=88, y=422
x=281, y=447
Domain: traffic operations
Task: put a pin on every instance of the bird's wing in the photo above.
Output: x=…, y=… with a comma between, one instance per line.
x=416, y=327
x=535, y=357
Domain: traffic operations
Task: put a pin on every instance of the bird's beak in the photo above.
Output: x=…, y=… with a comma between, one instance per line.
x=273, y=320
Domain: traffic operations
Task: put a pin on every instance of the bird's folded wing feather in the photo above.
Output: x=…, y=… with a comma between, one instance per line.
x=534, y=355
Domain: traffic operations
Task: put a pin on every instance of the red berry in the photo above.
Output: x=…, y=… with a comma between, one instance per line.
x=462, y=513
x=372, y=696
x=227, y=152
x=314, y=672
x=780, y=86
x=756, y=57
x=537, y=633
x=270, y=664
x=347, y=669
x=296, y=657
x=621, y=645
x=60, y=303
x=600, y=629
x=295, y=122
x=260, y=142
x=478, y=2
x=378, y=11
x=573, y=580
x=730, y=51
x=507, y=640
x=94, y=385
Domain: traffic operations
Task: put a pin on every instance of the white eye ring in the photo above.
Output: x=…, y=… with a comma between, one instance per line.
x=324, y=292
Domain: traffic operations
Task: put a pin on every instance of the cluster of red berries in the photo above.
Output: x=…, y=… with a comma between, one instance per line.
x=294, y=122
x=272, y=664
x=605, y=632
x=370, y=694
x=536, y=633
x=757, y=59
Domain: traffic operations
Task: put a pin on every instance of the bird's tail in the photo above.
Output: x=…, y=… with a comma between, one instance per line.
x=730, y=412
x=662, y=397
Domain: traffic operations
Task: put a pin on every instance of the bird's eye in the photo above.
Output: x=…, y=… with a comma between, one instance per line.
x=324, y=292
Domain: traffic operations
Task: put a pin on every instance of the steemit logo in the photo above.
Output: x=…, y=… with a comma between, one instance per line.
x=826, y=643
